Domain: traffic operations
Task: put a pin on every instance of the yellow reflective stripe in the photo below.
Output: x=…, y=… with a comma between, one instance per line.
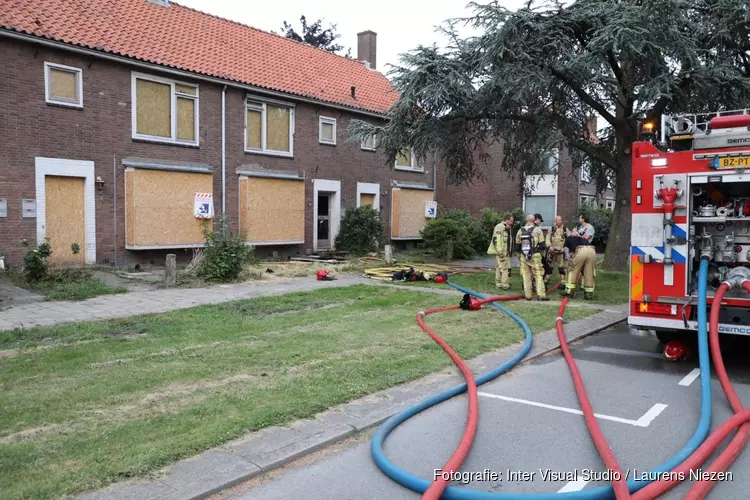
x=636, y=280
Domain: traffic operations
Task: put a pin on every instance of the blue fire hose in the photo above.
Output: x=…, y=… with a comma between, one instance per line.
x=420, y=485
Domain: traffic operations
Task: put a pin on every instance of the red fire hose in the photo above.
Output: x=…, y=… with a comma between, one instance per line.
x=454, y=462
x=619, y=484
x=736, y=445
x=741, y=419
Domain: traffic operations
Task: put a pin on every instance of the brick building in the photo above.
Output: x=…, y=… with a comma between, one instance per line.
x=554, y=193
x=124, y=123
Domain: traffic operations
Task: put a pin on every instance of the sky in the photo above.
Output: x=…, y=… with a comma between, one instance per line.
x=401, y=25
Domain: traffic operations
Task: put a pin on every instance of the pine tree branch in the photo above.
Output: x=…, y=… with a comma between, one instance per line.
x=658, y=109
x=584, y=96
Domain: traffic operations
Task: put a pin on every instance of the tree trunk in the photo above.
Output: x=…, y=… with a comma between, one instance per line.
x=617, y=254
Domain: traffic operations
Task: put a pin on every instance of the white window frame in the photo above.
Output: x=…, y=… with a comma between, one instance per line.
x=415, y=166
x=173, y=110
x=363, y=145
x=609, y=204
x=553, y=163
x=79, y=85
x=326, y=120
x=250, y=103
x=585, y=172
x=586, y=198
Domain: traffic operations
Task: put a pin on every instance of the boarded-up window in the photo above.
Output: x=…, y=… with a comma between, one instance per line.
x=407, y=212
x=254, y=128
x=277, y=125
x=63, y=85
x=367, y=199
x=272, y=210
x=157, y=101
x=406, y=159
x=268, y=128
x=160, y=208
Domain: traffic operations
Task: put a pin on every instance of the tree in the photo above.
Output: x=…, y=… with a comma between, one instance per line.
x=314, y=34
x=534, y=78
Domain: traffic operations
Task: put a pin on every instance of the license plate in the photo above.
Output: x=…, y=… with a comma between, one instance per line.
x=737, y=162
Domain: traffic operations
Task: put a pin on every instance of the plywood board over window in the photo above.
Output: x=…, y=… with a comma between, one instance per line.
x=272, y=211
x=367, y=199
x=63, y=85
x=407, y=213
x=159, y=208
x=164, y=110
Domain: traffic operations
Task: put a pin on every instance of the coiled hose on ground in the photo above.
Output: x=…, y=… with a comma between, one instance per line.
x=422, y=485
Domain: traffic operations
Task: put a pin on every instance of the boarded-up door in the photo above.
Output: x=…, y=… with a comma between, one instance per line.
x=64, y=218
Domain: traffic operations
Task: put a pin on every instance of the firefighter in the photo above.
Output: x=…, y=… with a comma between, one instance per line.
x=538, y=220
x=582, y=257
x=530, y=244
x=555, y=248
x=501, y=248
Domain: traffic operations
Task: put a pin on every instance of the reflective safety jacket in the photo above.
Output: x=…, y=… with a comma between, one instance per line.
x=530, y=240
x=556, y=237
x=500, y=244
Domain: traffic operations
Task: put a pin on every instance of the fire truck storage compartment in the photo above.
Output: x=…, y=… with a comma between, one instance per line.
x=719, y=225
x=728, y=315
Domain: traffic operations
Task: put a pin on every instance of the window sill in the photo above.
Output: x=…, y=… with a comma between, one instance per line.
x=368, y=149
x=324, y=143
x=166, y=142
x=68, y=105
x=408, y=169
x=280, y=154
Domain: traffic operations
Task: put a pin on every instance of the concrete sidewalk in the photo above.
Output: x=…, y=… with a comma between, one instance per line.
x=154, y=301
x=225, y=466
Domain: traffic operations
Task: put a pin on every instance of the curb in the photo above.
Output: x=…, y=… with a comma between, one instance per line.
x=257, y=453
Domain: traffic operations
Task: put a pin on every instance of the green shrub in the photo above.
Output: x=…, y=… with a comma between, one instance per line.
x=443, y=235
x=35, y=263
x=224, y=257
x=361, y=229
x=463, y=217
x=601, y=219
x=481, y=230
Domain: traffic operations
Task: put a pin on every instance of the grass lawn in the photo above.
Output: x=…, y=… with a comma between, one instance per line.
x=611, y=287
x=91, y=403
x=68, y=284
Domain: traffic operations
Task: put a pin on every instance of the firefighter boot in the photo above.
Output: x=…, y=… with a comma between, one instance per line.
x=588, y=295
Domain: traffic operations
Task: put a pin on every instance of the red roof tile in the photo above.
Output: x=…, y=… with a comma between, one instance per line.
x=190, y=40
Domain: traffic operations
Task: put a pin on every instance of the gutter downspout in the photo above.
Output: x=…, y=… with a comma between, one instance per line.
x=434, y=179
x=223, y=159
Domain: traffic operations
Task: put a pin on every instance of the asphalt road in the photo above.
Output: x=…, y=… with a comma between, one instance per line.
x=529, y=423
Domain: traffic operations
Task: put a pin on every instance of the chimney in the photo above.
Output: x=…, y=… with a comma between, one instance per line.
x=367, y=47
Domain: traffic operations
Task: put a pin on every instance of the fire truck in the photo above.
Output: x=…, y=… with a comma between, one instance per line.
x=690, y=197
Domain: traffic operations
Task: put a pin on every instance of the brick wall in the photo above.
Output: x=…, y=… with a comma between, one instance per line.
x=498, y=190
x=501, y=191
x=101, y=132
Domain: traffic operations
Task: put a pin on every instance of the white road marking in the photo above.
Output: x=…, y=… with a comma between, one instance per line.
x=644, y=421
x=626, y=352
x=576, y=485
x=651, y=414
x=690, y=377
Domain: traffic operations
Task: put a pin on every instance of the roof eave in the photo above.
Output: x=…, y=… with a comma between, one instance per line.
x=112, y=56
